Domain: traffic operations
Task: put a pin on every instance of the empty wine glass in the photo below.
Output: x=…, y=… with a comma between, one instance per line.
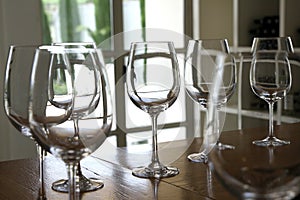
x=272, y=43
x=16, y=95
x=70, y=107
x=263, y=173
x=219, y=45
x=153, y=84
x=270, y=79
x=200, y=71
x=85, y=184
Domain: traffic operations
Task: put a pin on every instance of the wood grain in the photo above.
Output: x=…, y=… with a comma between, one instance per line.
x=19, y=178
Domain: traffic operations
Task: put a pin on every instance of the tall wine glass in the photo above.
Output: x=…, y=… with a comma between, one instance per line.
x=200, y=71
x=272, y=43
x=16, y=95
x=270, y=79
x=85, y=184
x=219, y=45
x=70, y=125
x=153, y=84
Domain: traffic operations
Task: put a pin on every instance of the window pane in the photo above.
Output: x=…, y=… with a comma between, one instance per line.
x=75, y=21
x=164, y=15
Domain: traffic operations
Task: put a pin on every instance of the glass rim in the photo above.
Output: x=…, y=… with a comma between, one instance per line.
x=153, y=42
x=24, y=45
x=73, y=43
x=269, y=38
x=209, y=39
x=223, y=41
x=287, y=39
x=63, y=49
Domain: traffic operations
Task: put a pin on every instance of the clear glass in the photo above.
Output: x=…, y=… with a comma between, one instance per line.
x=135, y=117
x=200, y=70
x=153, y=85
x=85, y=184
x=16, y=94
x=263, y=173
x=272, y=43
x=70, y=107
x=270, y=79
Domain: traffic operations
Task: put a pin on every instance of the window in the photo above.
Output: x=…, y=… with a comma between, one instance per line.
x=113, y=25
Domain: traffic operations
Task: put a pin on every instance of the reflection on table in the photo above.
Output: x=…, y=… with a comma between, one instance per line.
x=19, y=178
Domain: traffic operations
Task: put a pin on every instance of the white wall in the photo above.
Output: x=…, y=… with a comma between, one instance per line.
x=216, y=19
x=20, y=23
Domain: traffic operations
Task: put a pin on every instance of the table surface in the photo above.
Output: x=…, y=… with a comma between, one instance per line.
x=19, y=178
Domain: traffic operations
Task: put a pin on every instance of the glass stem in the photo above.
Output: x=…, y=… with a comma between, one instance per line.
x=216, y=121
x=271, y=127
x=76, y=129
x=74, y=191
x=217, y=124
x=156, y=183
x=207, y=117
x=41, y=153
x=155, y=160
x=205, y=152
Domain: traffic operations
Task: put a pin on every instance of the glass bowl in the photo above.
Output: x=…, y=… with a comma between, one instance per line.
x=254, y=172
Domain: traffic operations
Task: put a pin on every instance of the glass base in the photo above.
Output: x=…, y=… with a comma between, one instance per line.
x=42, y=197
x=164, y=172
x=198, y=157
x=270, y=141
x=85, y=185
x=221, y=146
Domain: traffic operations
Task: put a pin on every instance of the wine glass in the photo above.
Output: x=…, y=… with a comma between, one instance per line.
x=70, y=107
x=272, y=43
x=16, y=94
x=263, y=173
x=153, y=84
x=270, y=79
x=199, y=74
x=85, y=184
x=219, y=45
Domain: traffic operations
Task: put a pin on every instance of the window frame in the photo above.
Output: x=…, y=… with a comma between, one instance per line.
x=190, y=124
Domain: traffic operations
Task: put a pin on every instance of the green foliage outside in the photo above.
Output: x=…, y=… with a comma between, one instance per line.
x=46, y=28
x=102, y=17
x=70, y=24
x=60, y=88
x=69, y=20
x=143, y=18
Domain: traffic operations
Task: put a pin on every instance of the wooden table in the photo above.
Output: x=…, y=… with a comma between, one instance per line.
x=19, y=178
